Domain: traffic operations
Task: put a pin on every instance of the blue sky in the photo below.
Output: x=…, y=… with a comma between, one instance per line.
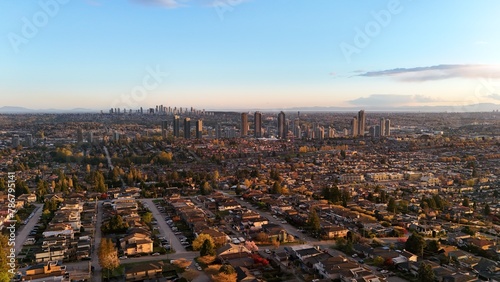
x=226, y=54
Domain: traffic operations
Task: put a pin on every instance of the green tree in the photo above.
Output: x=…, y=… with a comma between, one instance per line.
x=21, y=188
x=487, y=209
x=208, y=248
x=116, y=224
x=415, y=244
x=433, y=246
x=391, y=206
x=147, y=217
x=313, y=221
x=465, y=202
x=425, y=273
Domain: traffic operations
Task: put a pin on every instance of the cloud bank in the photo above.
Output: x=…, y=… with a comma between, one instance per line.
x=439, y=72
x=391, y=100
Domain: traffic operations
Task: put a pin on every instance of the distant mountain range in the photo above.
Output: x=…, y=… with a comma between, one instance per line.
x=482, y=107
x=22, y=110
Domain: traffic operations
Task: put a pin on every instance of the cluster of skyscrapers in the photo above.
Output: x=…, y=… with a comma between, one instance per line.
x=28, y=140
x=358, y=126
x=160, y=109
x=186, y=127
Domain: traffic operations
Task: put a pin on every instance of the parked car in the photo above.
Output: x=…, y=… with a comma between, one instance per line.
x=123, y=257
x=155, y=254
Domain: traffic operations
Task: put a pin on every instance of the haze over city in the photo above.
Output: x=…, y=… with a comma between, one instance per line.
x=249, y=54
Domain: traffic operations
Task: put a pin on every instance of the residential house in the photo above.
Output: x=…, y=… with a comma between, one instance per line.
x=332, y=232
x=220, y=238
x=136, y=243
x=144, y=271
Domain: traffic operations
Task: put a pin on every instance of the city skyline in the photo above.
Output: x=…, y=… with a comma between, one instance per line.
x=330, y=54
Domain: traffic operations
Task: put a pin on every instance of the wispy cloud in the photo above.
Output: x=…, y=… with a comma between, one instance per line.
x=494, y=96
x=163, y=3
x=438, y=72
x=393, y=100
x=228, y=4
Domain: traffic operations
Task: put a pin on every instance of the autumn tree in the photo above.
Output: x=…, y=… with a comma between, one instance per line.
x=223, y=277
x=277, y=189
x=227, y=269
x=206, y=188
x=200, y=240
x=108, y=255
x=251, y=246
x=182, y=263
x=206, y=259
x=5, y=275
x=262, y=237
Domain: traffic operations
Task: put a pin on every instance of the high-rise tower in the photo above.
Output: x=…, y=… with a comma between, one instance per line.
x=382, y=127
x=282, y=130
x=361, y=122
x=244, y=124
x=387, y=127
x=187, y=128
x=177, y=125
x=199, y=129
x=257, y=124
x=354, y=127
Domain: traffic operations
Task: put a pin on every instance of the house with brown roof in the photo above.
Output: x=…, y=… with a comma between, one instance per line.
x=144, y=271
x=136, y=243
x=220, y=238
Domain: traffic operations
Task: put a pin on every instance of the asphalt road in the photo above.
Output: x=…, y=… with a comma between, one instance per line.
x=25, y=230
x=165, y=230
x=97, y=242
